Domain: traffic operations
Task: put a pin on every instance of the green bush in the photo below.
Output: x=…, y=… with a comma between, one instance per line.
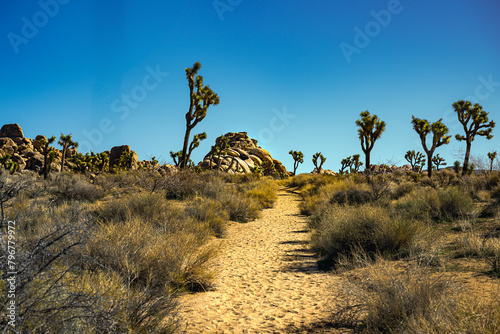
x=429, y=204
x=75, y=187
x=343, y=230
x=352, y=196
x=211, y=212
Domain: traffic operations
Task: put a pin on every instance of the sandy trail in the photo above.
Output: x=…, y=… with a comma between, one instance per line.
x=267, y=281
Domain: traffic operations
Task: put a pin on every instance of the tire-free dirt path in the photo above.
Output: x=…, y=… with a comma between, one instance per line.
x=267, y=281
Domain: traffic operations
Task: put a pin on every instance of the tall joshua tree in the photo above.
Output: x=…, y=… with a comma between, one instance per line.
x=298, y=158
x=439, y=131
x=492, y=156
x=48, y=154
x=370, y=129
x=479, y=126
x=201, y=97
x=66, y=141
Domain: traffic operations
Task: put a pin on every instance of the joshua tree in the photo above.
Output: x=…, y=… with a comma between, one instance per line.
x=439, y=131
x=317, y=156
x=218, y=150
x=492, y=156
x=66, y=141
x=48, y=154
x=8, y=164
x=345, y=163
x=355, y=163
x=90, y=162
x=201, y=97
x=195, y=143
x=416, y=160
x=438, y=161
x=479, y=126
x=298, y=158
x=370, y=129
x=176, y=156
x=124, y=162
x=456, y=167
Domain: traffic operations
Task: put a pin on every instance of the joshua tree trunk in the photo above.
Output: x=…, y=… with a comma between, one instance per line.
x=367, y=161
x=429, y=164
x=183, y=162
x=465, y=167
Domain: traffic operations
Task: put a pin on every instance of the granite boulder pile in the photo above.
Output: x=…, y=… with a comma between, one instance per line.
x=239, y=156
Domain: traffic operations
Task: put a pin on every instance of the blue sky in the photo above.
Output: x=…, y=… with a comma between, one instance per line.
x=293, y=74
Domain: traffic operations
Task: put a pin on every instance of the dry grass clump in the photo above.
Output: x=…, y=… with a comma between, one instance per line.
x=428, y=204
x=71, y=186
x=210, y=211
x=384, y=298
x=144, y=255
x=341, y=231
x=472, y=244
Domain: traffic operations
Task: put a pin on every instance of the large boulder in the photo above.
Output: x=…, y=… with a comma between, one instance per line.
x=242, y=155
x=8, y=146
x=116, y=153
x=11, y=131
x=34, y=161
x=20, y=161
x=37, y=143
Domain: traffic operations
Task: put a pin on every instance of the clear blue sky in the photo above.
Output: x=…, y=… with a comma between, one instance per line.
x=293, y=74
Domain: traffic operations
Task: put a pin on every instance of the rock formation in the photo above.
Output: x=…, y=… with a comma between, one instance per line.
x=28, y=153
x=116, y=153
x=242, y=154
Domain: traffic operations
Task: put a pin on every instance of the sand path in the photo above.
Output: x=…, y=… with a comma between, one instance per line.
x=267, y=280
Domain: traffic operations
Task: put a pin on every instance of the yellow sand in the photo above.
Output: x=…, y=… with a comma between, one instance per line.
x=267, y=281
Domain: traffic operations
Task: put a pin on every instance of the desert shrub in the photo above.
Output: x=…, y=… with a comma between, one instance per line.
x=145, y=206
x=342, y=230
x=240, y=208
x=147, y=256
x=71, y=186
x=113, y=181
x=428, y=204
x=421, y=204
x=317, y=197
x=468, y=244
x=492, y=180
x=390, y=300
x=264, y=191
x=445, y=178
x=210, y=211
x=45, y=300
x=352, y=197
x=428, y=182
x=495, y=194
x=402, y=189
x=491, y=252
x=455, y=203
x=182, y=184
